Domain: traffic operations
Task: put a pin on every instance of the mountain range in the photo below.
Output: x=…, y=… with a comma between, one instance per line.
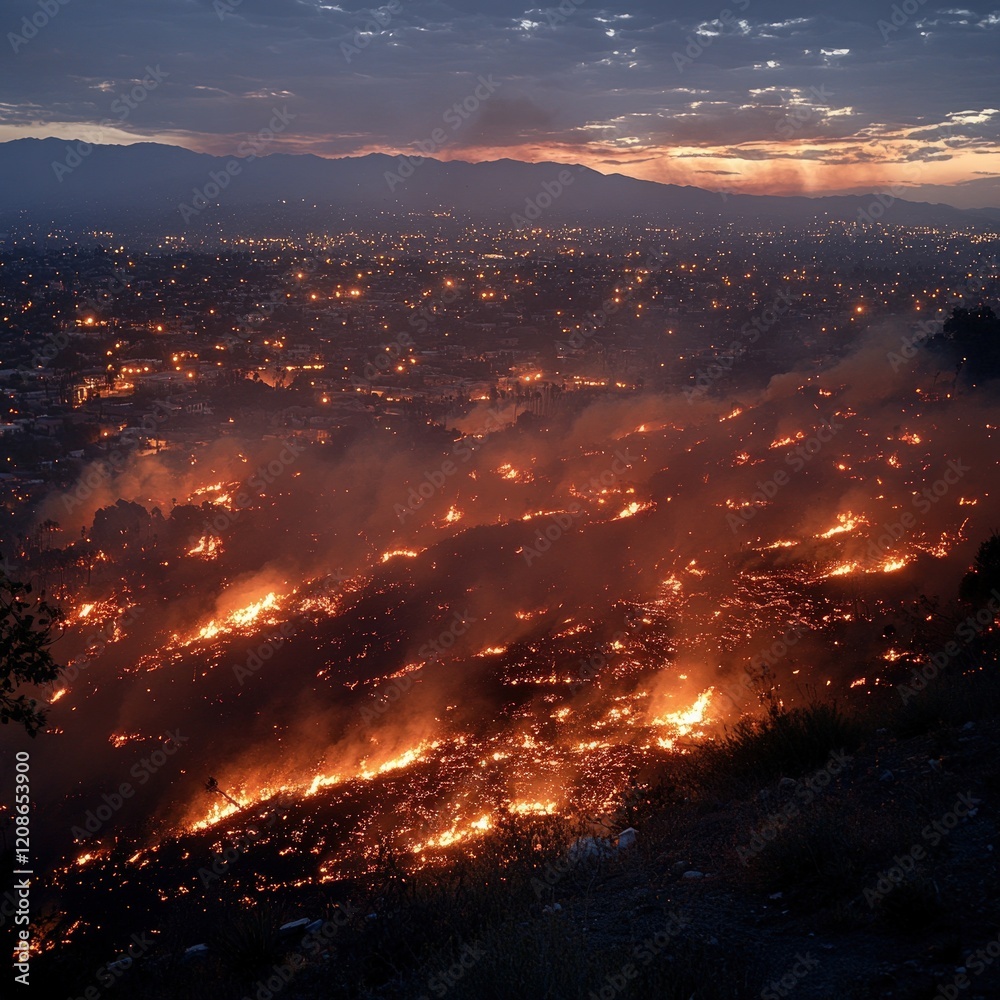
x=55, y=178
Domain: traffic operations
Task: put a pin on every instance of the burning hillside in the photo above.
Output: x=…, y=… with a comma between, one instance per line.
x=366, y=644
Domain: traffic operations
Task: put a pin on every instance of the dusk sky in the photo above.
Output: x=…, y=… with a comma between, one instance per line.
x=759, y=96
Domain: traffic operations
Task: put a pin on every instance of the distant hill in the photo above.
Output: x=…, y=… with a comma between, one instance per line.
x=42, y=177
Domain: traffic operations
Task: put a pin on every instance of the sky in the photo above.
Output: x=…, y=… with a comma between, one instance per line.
x=750, y=96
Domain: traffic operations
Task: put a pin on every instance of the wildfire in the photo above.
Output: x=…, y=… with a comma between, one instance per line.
x=685, y=721
x=507, y=471
x=455, y=834
x=845, y=522
x=788, y=440
x=892, y=565
x=249, y=614
x=533, y=808
x=208, y=547
x=843, y=569
x=399, y=553
x=239, y=619
x=634, y=508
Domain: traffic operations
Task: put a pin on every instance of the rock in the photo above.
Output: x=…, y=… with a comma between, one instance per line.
x=886, y=776
x=590, y=848
x=626, y=839
x=787, y=783
x=694, y=874
x=679, y=866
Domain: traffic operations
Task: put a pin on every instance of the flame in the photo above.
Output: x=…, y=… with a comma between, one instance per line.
x=395, y=553
x=685, y=721
x=634, y=508
x=455, y=834
x=787, y=440
x=249, y=614
x=241, y=618
x=843, y=569
x=533, y=808
x=845, y=522
x=892, y=565
x=209, y=546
